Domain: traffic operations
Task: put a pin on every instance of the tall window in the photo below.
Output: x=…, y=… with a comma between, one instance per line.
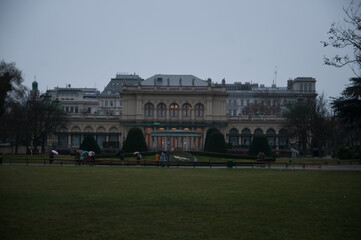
x=186, y=109
x=233, y=136
x=199, y=110
x=149, y=110
x=63, y=140
x=246, y=137
x=174, y=109
x=283, y=137
x=161, y=110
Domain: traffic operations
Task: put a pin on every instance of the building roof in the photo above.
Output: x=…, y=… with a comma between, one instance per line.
x=174, y=80
x=116, y=84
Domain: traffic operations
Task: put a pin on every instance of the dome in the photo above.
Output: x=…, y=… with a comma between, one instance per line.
x=35, y=86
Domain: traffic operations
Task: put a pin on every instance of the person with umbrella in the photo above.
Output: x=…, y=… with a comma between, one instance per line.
x=84, y=155
x=77, y=157
x=51, y=156
x=92, y=157
x=139, y=156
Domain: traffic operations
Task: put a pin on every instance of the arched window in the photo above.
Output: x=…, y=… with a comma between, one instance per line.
x=283, y=137
x=186, y=110
x=270, y=131
x=199, y=110
x=246, y=137
x=174, y=109
x=271, y=137
x=233, y=136
x=258, y=131
x=233, y=131
x=246, y=131
x=161, y=110
x=149, y=110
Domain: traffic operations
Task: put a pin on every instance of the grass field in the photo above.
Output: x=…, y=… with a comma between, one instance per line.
x=50, y=202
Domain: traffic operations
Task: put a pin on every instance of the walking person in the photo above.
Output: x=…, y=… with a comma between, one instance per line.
x=121, y=155
x=51, y=157
x=77, y=159
x=162, y=159
x=92, y=157
x=139, y=157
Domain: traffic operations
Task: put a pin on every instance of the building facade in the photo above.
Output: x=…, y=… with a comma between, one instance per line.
x=175, y=111
x=247, y=100
x=176, y=103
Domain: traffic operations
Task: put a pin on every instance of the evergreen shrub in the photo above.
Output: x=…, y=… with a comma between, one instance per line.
x=216, y=143
x=209, y=132
x=89, y=144
x=259, y=144
x=135, y=141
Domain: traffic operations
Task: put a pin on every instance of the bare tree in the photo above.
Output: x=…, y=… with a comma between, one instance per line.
x=44, y=117
x=347, y=35
x=299, y=125
x=321, y=125
x=11, y=87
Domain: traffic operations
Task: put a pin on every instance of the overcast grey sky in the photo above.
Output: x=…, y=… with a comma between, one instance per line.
x=86, y=42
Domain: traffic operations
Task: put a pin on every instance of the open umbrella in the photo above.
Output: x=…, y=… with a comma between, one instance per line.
x=91, y=153
x=84, y=152
x=55, y=152
x=135, y=153
x=79, y=151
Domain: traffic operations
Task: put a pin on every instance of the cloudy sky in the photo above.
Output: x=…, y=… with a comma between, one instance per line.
x=86, y=42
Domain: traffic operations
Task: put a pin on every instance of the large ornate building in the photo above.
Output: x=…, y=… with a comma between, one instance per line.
x=177, y=110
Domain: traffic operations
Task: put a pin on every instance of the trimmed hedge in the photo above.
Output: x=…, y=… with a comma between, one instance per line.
x=259, y=144
x=89, y=144
x=228, y=155
x=209, y=132
x=116, y=155
x=135, y=141
x=216, y=143
x=344, y=152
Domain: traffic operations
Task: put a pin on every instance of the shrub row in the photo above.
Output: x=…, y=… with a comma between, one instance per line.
x=114, y=155
x=343, y=152
x=232, y=156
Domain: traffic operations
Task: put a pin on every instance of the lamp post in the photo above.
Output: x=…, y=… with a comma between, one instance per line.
x=167, y=141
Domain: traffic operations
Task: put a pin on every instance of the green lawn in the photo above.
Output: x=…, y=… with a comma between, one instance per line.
x=53, y=202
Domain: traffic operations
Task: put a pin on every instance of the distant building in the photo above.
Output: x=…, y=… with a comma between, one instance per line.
x=248, y=99
x=177, y=110
x=174, y=111
x=110, y=102
x=76, y=101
